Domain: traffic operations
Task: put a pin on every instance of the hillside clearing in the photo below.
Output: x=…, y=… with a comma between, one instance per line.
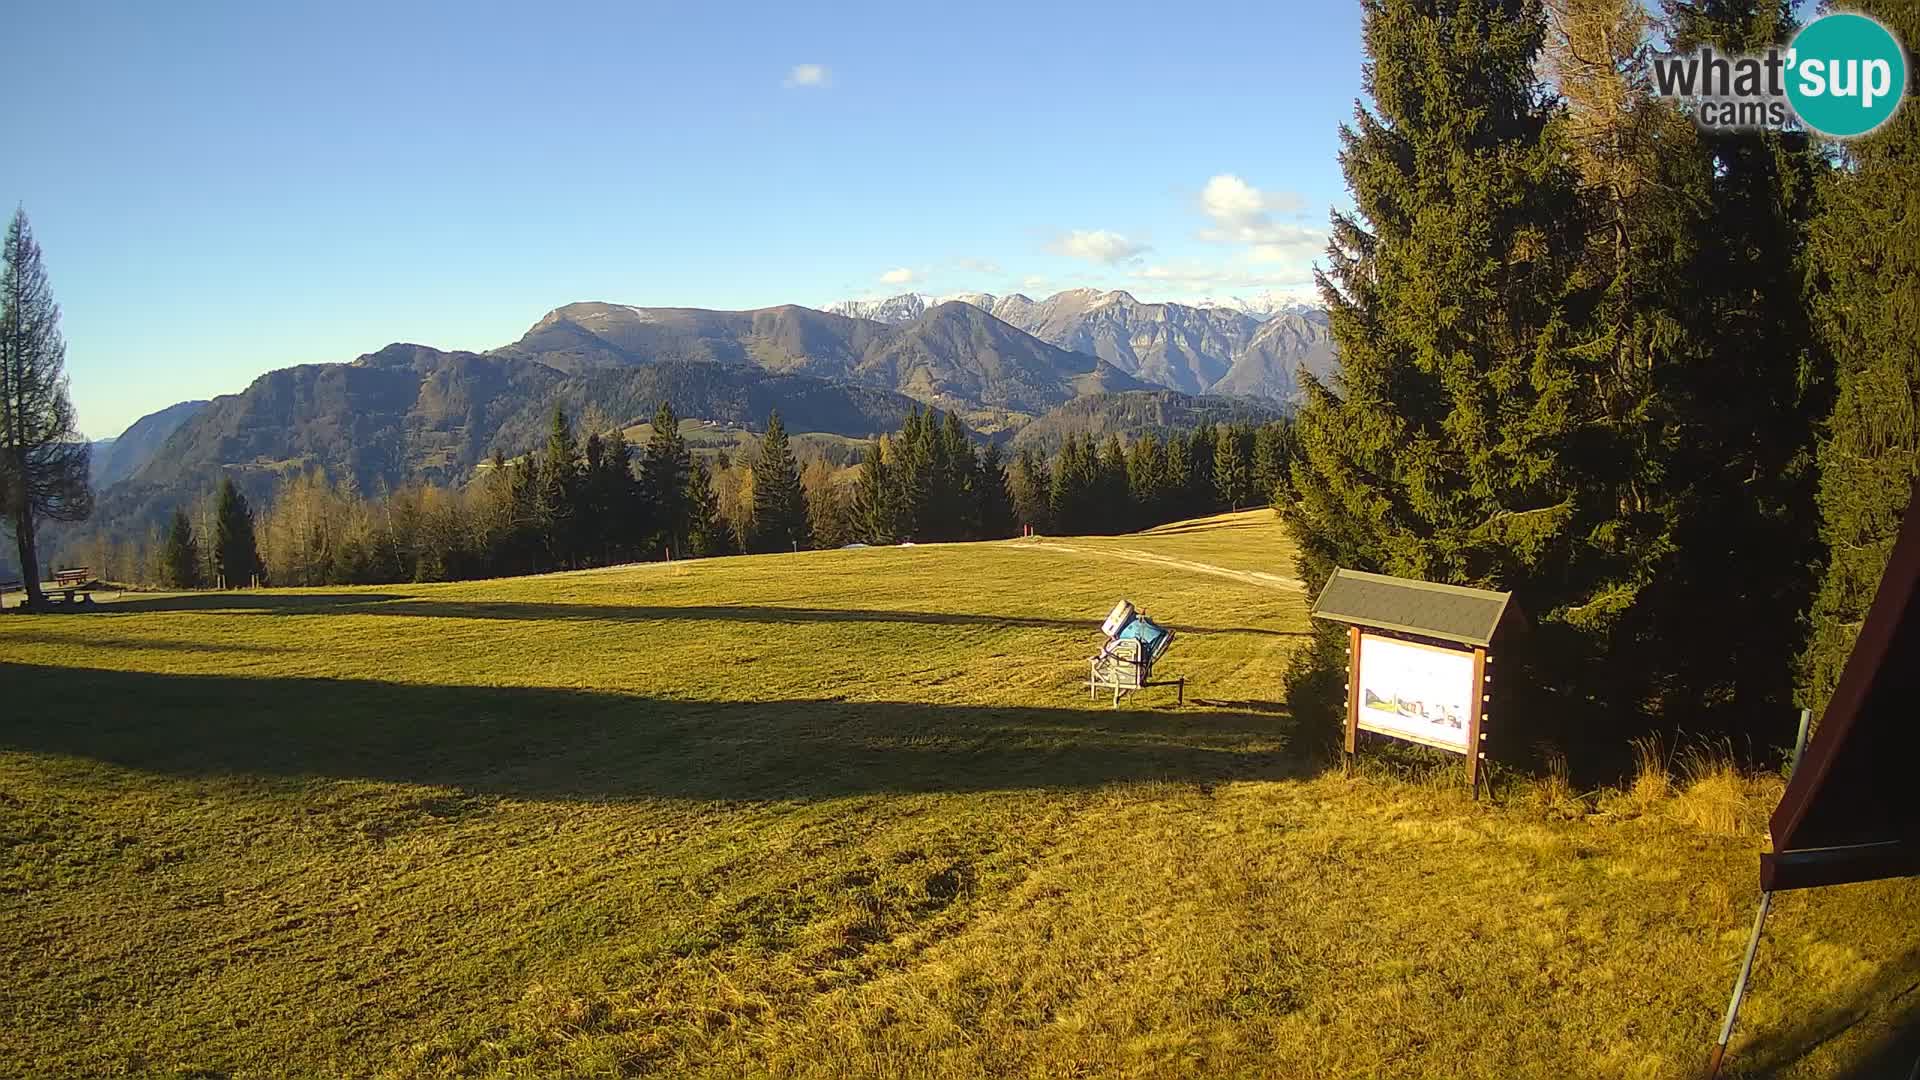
x=842, y=813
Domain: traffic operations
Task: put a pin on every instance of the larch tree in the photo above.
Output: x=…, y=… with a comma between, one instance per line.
x=44, y=460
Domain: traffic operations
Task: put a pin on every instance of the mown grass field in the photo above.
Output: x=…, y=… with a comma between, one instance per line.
x=840, y=814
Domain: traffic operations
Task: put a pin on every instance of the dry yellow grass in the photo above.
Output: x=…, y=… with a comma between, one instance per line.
x=833, y=814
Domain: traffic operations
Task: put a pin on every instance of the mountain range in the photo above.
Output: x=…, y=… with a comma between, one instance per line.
x=953, y=355
x=1078, y=360
x=1250, y=349
x=115, y=459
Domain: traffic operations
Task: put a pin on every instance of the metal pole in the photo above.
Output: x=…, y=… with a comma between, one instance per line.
x=1759, y=922
x=1739, y=987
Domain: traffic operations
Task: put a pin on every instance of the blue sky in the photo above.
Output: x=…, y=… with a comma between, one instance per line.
x=224, y=190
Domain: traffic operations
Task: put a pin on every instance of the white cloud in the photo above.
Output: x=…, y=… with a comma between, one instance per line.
x=807, y=75
x=1033, y=281
x=1096, y=245
x=899, y=275
x=978, y=266
x=1241, y=213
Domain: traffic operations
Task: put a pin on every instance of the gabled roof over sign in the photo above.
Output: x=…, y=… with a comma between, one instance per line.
x=1405, y=605
x=1851, y=811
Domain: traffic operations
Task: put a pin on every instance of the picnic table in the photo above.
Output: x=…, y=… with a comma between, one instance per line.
x=78, y=579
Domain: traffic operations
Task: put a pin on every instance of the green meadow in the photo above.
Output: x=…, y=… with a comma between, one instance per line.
x=847, y=814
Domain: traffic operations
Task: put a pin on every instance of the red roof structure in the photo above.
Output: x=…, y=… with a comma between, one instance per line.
x=1851, y=812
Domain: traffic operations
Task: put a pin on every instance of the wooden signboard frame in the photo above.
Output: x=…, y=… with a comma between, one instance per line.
x=1458, y=620
x=1476, y=702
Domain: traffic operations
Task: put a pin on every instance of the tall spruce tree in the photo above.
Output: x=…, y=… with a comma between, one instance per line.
x=1750, y=532
x=1199, y=495
x=1438, y=452
x=875, y=497
x=1032, y=487
x=179, y=562
x=1147, y=480
x=1074, y=503
x=1272, y=457
x=913, y=476
x=618, y=498
x=1866, y=248
x=779, y=506
x=992, y=500
x=44, y=460
x=236, y=553
x=1686, y=326
x=958, y=464
x=708, y=534
x=663, y=472
x=1113, y=512
x=1233, y=467
x=558, y=493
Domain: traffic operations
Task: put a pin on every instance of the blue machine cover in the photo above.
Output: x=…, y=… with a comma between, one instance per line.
x=1153, y=637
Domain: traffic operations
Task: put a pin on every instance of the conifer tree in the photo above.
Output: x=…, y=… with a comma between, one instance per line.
x=875, y=497
x=236, y=556
x=663, y=470
x=1233, y=467
x=1199, y=495
x=1272, y=456
x=1179, y=476
x=779, y=506
x=558, y=492
x=619, y=496
x=1147, y=480
x=993, y=504
x=708, y=534
x=1112, y=506
x=1075, y=487
x=526, y=525
x=1437, y=452
x=1730, y=614
x=1032, y=488
x=959, y=465
x=44, y=460
x=913, y=476
x=180, y=563
x=1867, y=249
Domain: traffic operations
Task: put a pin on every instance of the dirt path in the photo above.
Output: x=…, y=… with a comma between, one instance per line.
x=1148, y=558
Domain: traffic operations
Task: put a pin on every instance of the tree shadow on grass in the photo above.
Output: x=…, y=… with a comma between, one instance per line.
x=228, y=602
x=1891, y=1002
x=429, y=608
x=104, y=641
x=520, y=742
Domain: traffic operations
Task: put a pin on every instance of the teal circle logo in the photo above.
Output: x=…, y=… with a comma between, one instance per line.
x=1846, y=75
